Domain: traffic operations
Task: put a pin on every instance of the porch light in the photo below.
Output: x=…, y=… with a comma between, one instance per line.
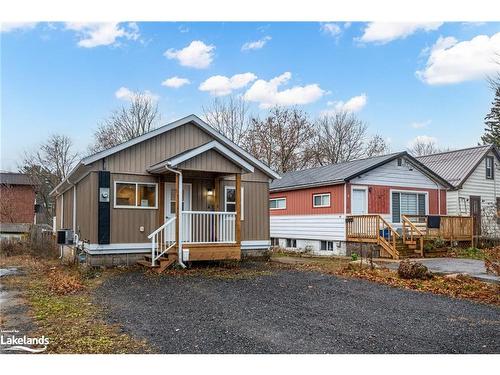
x=210, y=192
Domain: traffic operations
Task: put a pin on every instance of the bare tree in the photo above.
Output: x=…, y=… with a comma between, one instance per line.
x=48, y=166
x=376, y=146
x=229, y=117
x=340, y=137
x=282, y=140
x=133, y=120
x=424, y=146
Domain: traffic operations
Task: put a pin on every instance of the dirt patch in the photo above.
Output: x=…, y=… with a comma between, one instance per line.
x=59, y=303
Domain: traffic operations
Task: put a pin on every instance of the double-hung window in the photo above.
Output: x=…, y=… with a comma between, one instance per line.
x=230, y=200
x=136, y=195
x=404, y=203
x=490, y=170
x=321, y=200
x=277, y=203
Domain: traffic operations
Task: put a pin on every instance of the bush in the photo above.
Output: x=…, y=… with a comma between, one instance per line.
x=413, y=270
x=36, y=243
x=492, y=260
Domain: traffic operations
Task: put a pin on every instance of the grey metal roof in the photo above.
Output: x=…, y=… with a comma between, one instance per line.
x=11, y=178
x=330, y=174
x=455, y=166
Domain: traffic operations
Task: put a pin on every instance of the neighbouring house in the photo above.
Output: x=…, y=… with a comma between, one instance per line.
x=123, y=203
x=341, y=208
x=17, y=205
x=474, y=174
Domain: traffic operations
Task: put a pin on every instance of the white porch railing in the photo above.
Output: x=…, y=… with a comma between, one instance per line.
x=208, y=227
x=162, y=240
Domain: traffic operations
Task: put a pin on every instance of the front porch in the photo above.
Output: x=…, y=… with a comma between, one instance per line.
x=409, y=238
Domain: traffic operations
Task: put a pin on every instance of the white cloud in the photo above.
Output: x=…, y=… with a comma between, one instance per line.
x=124, y=93
x=222, y=85
x=384, y=32
x=451, y=61
x=183, y=29
x=355, y=104
x=175, y=82
x=422, y=139
x=197, y=55
x=331, y=28
x=258, y=44
x=420, y=124
x=7, y=27
x=266, y=93
x=104, y=33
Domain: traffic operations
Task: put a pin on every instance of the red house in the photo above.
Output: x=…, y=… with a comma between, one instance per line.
x=313, y=209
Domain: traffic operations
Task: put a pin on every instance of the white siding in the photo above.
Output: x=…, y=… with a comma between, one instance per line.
x=452, y=202
x=314, y=246
x=390, y=174
x=309, y=227
x=477, y=184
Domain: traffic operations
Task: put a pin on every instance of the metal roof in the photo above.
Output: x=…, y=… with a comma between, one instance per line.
x=11, y=178
x=455, y=166
x=330, y=174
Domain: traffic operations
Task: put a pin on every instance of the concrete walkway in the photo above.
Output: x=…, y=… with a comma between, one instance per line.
x=473, y=267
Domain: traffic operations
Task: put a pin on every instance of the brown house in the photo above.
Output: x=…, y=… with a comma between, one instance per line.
x=17, y=204
x=123, y=203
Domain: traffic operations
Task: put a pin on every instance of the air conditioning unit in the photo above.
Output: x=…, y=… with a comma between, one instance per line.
x=65, y=237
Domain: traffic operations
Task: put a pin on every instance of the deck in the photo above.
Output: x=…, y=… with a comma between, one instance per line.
x=415, y=231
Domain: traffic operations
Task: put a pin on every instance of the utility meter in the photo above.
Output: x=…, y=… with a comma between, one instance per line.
x=103, y=194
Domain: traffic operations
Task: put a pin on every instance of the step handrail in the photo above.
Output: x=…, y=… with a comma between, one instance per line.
x=413, y=228
x=161, y=242
x=393, y=235
x=162, y=227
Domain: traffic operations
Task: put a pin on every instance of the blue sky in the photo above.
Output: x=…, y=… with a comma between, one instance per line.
x=404, y=80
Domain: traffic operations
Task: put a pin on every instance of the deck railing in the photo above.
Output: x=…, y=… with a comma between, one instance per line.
x=162, y=240
x=413, y=233
x=451, y=228
x=372, y=229
x=209, y=227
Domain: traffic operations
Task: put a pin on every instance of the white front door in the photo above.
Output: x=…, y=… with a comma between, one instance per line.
x=170, y=196
x=359, y=202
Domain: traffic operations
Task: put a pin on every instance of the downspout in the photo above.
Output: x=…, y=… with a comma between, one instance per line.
x=179, y=245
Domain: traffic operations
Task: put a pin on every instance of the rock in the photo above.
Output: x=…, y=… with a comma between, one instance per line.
x=360, y=264
x=413, y=270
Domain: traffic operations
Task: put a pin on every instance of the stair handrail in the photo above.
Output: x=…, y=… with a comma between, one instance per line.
x=160, y=244
x=413, y=228
x=393, y=235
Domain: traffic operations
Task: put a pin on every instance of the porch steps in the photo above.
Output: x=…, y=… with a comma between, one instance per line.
x=408, y=250
x=162, y=263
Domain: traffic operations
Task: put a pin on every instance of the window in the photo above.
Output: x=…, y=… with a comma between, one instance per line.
x=490, y=174
x=291, y=242
x=321, y=200
x=275, y=241
x=400, y=162
x=230, y=200
x=326, y=245
x=407, y=204
x=277, y=203
x=135, y=195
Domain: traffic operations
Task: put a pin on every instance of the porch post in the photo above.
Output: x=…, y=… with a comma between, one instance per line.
x=238, y=208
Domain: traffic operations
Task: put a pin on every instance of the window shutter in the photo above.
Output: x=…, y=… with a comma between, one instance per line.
x=396, y=216
x=421, y=204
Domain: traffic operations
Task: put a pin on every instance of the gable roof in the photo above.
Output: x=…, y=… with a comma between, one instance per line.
x=456, y=166
x=188, y=119
x=343, y=172
x=189, y=154
x=11, y=178
x=193, y=119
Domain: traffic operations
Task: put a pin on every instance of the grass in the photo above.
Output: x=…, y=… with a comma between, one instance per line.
x=468, y=253
x=61, y=305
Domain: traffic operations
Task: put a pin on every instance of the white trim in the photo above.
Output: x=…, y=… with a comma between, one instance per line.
x=257, y=244
x=191, y=118
x=411, y=192
x=136, y=183
x=176, y=160
x=166, y=201
x=242, y=200
x=277, y=199
x=322, y=195
x=360, y=187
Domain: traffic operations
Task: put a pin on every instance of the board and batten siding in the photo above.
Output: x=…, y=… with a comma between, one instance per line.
x=210, y=161
x=68, y=209
x=313, y=227
x=86, y=208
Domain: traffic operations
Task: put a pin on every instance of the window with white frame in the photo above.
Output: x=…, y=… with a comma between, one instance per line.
x=277, y=203
x=326, y=245
x=230, y=200
x=321, y=200
x=136, y=195
x=407, y=203
x=291, y=242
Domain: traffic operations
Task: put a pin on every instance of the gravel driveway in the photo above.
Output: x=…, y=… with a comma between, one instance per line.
x=294, y=312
